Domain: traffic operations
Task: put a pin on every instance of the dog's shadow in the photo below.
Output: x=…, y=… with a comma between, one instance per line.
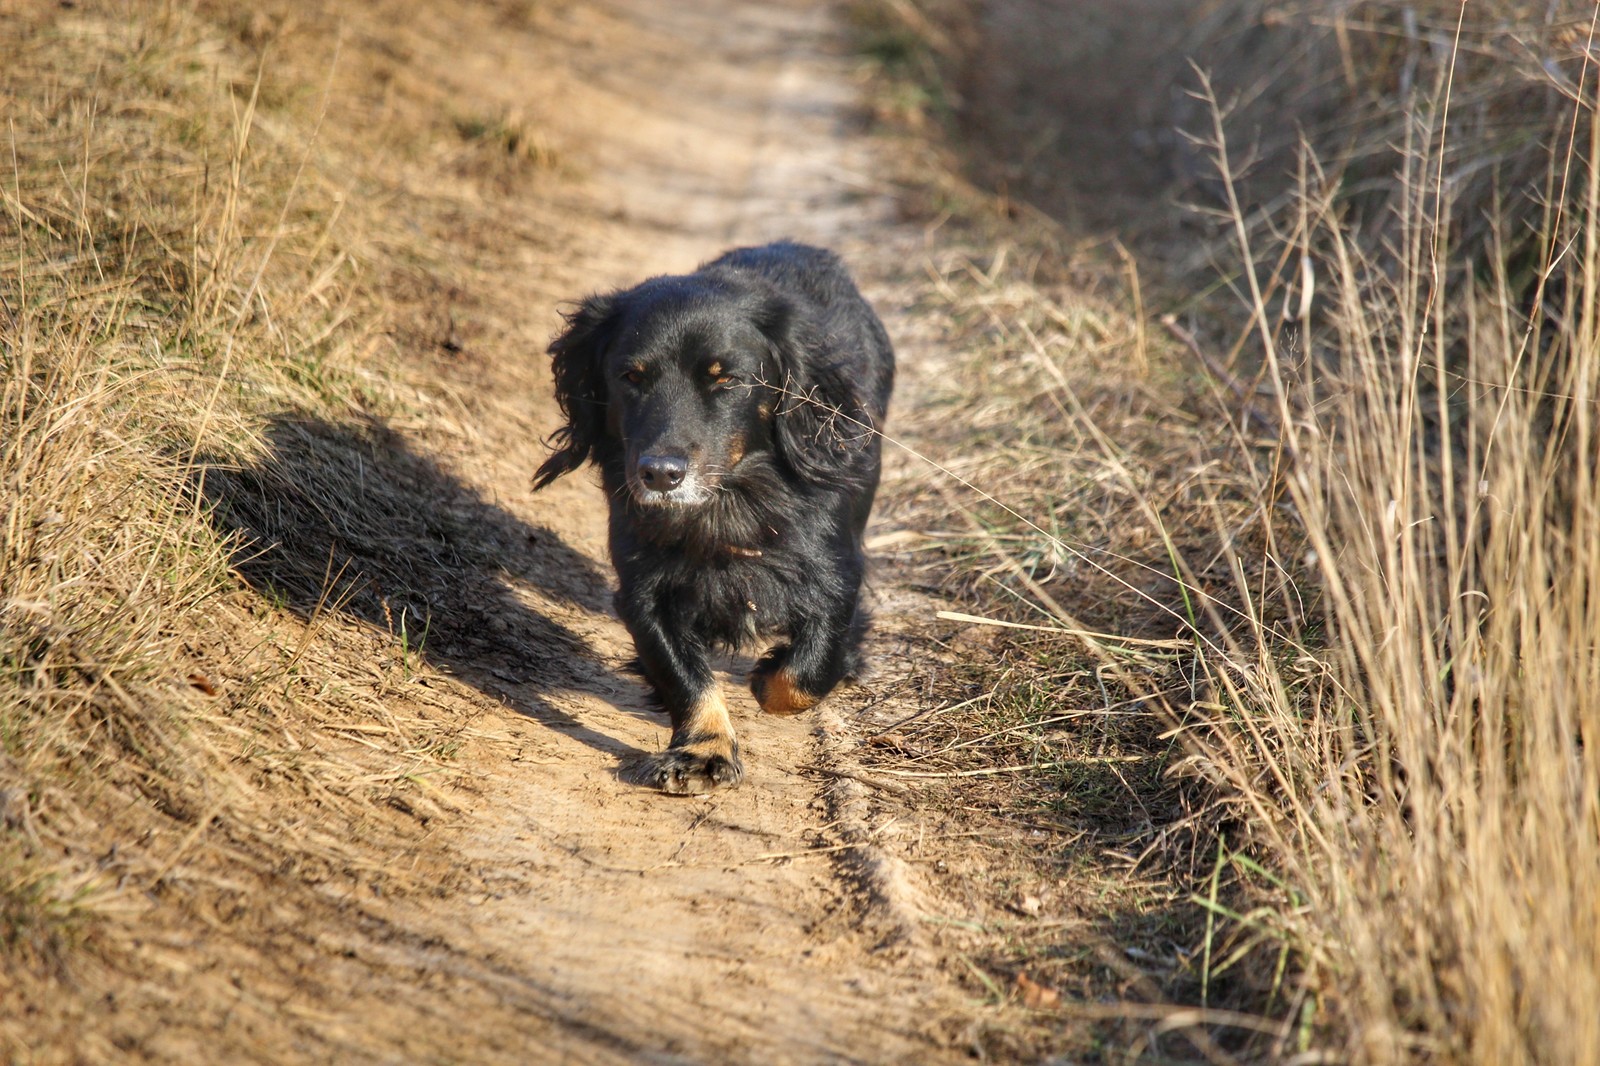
x=350, y=518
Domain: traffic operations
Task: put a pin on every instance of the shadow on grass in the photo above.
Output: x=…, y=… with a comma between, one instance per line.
x=351, y=519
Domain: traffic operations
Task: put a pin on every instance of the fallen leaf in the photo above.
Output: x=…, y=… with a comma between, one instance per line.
x=1035, y=995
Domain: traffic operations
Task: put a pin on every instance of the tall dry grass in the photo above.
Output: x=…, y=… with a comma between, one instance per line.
x=1418, y=758
x=1349, y=77
x=1393, y=613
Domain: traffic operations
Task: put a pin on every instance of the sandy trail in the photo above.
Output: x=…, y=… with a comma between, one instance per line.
x=763, y=924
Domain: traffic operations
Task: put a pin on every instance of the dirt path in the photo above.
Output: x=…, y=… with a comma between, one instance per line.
x=766, y=924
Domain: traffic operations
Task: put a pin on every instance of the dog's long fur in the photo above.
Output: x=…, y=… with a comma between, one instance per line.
x=732, y=414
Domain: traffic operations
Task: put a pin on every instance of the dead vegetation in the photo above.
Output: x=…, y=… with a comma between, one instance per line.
x=1298, y=759
x=1076, y=509
x=1372, y=509
x=189, y=282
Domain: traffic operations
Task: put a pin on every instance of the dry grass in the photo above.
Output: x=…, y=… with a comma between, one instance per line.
x=1381, y=554
x=1352, y=80
x=187, y=274
x=1085, y=510
x=1432, y=783
x=1300, y=765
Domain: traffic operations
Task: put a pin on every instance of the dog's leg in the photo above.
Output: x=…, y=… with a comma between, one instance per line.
x=796, y=676
x=703, y=754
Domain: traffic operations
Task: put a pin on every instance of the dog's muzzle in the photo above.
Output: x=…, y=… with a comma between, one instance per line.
x=662, y=480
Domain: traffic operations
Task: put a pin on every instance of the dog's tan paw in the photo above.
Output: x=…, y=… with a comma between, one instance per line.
x=778, y=694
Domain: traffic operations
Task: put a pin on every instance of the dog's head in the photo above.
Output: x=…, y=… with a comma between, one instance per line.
x=676, y=382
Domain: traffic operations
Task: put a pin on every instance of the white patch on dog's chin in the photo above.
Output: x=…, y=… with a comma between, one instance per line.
x=692, y=492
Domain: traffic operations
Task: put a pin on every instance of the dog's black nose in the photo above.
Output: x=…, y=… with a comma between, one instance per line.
x=662, y=473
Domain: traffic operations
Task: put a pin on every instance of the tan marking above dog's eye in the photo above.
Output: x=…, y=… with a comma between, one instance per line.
x=718, y=375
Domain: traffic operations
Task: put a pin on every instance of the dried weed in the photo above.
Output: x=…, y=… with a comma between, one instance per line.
x=185, y=739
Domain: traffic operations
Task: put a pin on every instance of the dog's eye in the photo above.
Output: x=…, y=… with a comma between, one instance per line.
x=633, y=376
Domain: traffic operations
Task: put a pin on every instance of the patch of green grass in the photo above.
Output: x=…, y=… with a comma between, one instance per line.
x=509, y=135
x=903, y=48
x=39, y=928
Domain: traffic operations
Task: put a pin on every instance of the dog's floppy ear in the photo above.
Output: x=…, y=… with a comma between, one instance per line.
x=580, y=389
x=820, y=422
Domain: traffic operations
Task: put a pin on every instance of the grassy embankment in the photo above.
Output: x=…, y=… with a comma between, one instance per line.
x=1376, y=511
x=193, y=217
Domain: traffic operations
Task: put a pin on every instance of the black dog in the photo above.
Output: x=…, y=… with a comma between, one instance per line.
x=733, y=414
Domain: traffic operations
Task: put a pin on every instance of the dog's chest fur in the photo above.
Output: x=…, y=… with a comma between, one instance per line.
x=738, y=570
x=727, y=594
x=736, y=600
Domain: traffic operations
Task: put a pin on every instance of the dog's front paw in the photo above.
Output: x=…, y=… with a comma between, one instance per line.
x=691, y=769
